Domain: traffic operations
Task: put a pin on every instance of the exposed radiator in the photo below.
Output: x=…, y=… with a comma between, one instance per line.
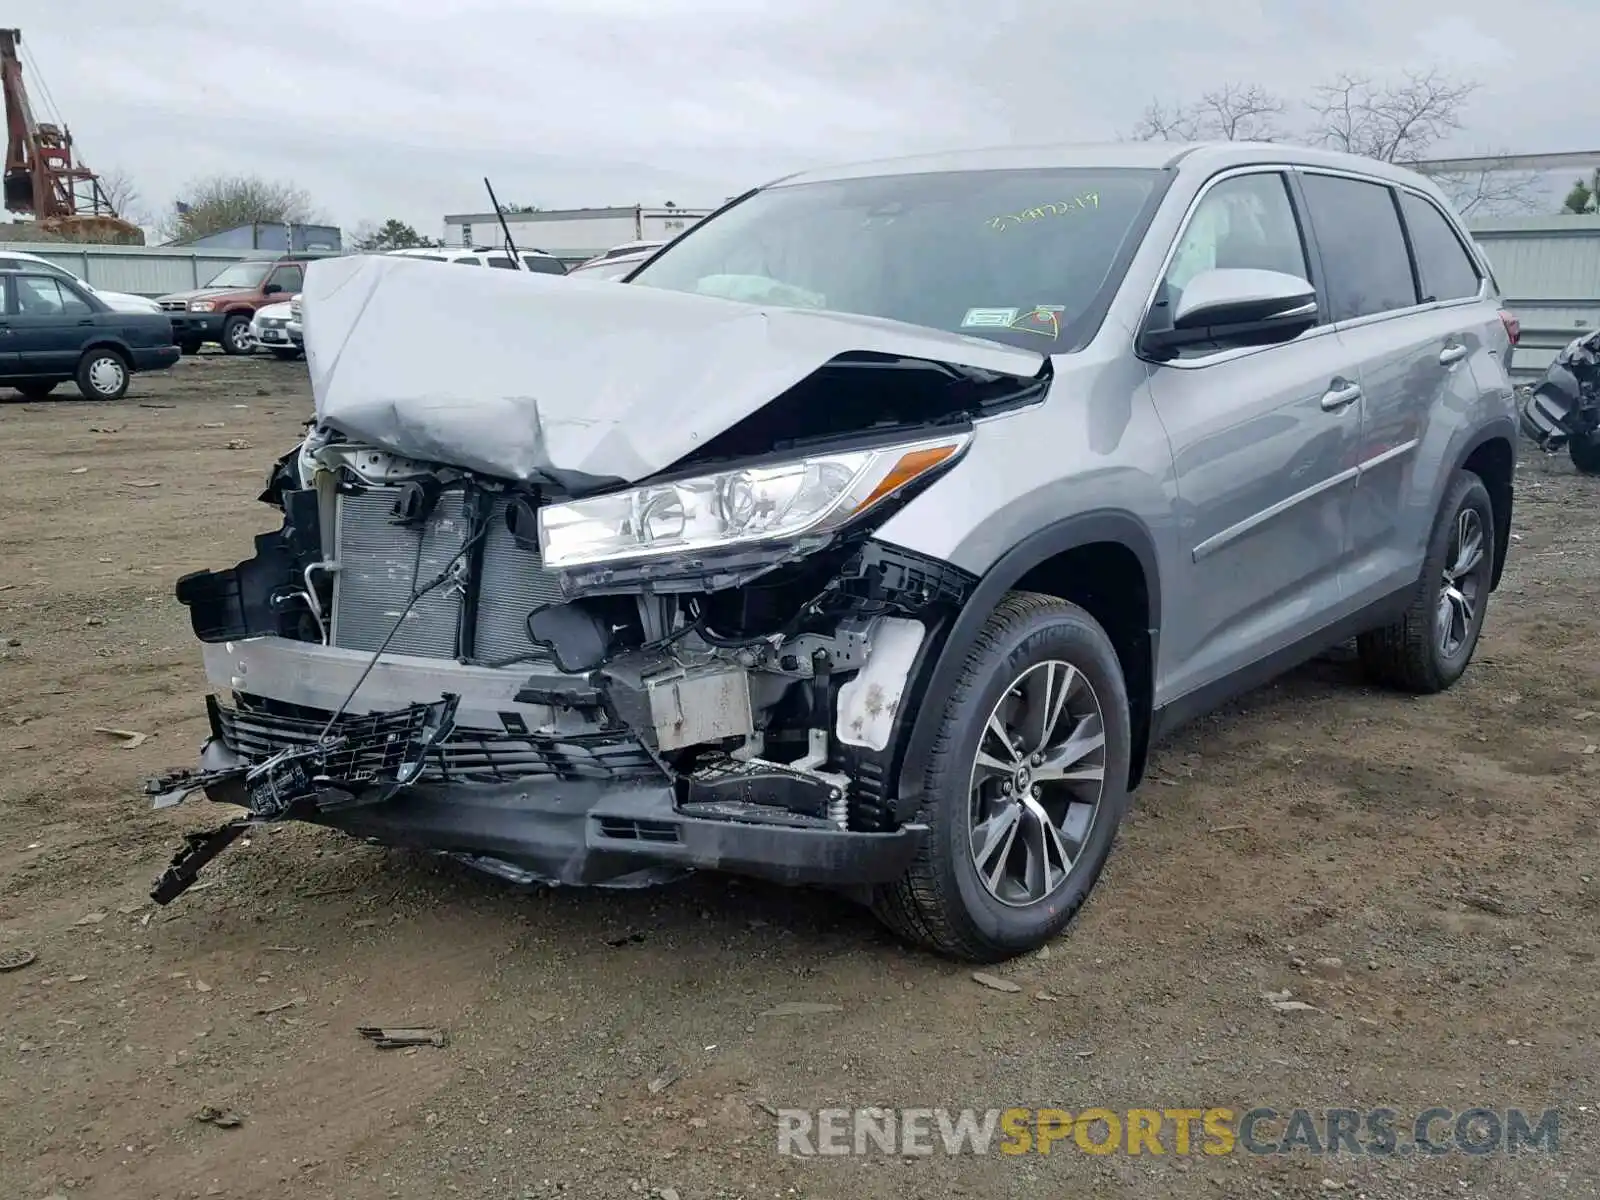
x=382, y=563
x=512, y=584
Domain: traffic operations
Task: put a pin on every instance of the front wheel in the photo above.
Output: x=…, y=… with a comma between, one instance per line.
x=1428, y=648
x=1025, y=789
x=1585, y=452
x=190, y=346
x=236, y=337
x=35, y=391
x=285, y=355
x=102, y=375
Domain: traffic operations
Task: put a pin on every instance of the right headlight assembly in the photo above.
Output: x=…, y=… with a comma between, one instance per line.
x=743, y=506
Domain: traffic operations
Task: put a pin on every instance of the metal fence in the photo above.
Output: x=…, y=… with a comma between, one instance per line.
x=142, y=270
x=1548, y=269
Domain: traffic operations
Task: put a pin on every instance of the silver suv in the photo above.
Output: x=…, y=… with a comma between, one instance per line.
x=871, y=537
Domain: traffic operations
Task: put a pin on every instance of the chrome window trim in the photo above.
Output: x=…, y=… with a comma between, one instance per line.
x=1281, y=168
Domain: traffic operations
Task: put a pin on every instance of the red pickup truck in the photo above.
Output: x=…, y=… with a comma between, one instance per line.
x=220, y=311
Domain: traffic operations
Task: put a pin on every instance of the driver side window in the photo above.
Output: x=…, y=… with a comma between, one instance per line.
x=1243, y=222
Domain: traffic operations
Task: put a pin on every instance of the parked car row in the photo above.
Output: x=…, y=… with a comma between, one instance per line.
x=54, y=328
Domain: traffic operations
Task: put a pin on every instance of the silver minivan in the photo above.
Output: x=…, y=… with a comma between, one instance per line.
x=873, y=534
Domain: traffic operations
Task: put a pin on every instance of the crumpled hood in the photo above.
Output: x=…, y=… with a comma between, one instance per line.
x=582, y=382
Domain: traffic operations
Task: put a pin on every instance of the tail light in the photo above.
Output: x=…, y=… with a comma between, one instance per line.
x=1513, y=326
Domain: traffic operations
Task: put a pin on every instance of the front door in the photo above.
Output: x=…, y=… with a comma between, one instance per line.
x=49, y=327
x=1264, y=443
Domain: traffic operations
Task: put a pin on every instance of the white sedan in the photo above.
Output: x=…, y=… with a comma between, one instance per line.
x=276, y=327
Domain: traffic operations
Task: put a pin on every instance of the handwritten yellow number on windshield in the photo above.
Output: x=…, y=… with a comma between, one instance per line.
x=1056, y=208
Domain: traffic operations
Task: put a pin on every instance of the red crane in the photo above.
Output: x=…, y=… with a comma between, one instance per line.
x=41, y=179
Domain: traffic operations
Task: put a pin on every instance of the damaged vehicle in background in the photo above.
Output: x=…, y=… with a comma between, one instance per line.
x=871, y=534
x=1564, y=407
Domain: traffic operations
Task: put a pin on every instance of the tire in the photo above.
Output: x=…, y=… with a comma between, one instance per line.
x=189, y=347
x=285, y=355
x=1585, y=452
x=236, y=339
x=944, y=903
x=103, y=374
x=36, y=391
x=1415, y=654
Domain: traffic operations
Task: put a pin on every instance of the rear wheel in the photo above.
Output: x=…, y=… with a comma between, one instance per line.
x=1428, y=648
x=283, y=355
x=36, y=391
x=1585, y=452
x=1025, y=788
x=102, y=375
x=236, y=337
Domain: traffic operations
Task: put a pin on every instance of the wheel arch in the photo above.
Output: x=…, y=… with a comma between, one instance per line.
x=110, y=343
x=1051, y=560
x=1491, y=455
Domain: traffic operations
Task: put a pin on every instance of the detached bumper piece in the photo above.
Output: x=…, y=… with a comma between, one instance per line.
x=363, y=760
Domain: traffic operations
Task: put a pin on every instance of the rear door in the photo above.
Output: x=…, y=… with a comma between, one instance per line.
x=51, y=326
x=1263, y=441
x=1414, y=331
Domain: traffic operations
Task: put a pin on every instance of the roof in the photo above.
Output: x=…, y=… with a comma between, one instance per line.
x=1205, y=156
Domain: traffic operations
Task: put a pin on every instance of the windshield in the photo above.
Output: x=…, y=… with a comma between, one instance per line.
x=241, y=275
x=1018, y=256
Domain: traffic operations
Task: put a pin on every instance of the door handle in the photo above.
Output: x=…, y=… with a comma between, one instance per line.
x=1341, y=395
x=1452, y=354
x=86, y=321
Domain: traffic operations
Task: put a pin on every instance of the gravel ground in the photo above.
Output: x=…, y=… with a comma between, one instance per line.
x=618, y=1044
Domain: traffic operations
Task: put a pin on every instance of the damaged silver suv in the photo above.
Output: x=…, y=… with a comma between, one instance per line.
x=870, y=532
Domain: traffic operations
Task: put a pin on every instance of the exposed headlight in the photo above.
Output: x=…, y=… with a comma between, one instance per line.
x=201, y=306
x=731, y=508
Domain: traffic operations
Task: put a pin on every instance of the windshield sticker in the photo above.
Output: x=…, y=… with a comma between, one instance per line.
x=1042, y=318
x=1054, y=209
x=989, y=318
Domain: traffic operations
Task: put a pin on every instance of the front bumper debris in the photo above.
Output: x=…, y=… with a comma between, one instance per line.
x=522, y=801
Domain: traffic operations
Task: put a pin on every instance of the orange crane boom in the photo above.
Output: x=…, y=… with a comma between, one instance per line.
x=41, y=178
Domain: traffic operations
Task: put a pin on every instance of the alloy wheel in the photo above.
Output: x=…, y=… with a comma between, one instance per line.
x=1037, y=783
x=1463, y=585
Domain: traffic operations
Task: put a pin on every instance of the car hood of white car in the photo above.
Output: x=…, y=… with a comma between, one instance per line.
x=126, y=302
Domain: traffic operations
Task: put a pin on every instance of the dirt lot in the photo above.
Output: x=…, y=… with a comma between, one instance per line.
x=1443, y=849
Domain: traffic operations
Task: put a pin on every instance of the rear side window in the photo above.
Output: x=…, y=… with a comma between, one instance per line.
x=1363, y=247
x=1446, y=271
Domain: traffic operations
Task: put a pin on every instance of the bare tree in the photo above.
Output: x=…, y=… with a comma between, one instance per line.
x=225, y=202
x=119, y=190
x=1235, y=112
x=1492, y=193
x=1397, y=121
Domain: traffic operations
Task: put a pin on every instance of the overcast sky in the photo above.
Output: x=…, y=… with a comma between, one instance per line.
x=384, y=108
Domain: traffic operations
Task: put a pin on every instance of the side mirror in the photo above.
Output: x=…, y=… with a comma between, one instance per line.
x=272, y=289
x=1248, y=307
